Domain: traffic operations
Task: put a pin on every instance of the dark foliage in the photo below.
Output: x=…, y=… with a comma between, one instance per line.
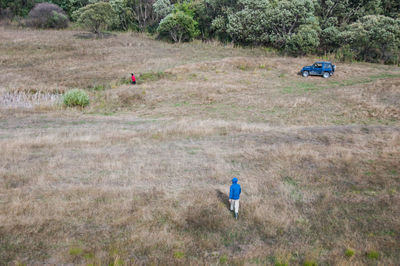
x=47, y=15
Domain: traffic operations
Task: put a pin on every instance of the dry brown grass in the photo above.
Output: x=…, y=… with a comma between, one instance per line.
x=141, y=175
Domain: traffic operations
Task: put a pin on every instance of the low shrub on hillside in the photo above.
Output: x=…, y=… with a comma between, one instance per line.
x=46, y=15
x=76, y=97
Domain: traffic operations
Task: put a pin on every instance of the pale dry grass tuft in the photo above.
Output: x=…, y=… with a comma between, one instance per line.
x=28, y=100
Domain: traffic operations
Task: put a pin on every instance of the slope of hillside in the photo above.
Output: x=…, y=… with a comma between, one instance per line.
x=141, y=175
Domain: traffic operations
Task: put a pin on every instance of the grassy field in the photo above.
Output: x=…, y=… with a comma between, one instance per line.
x=141, y=175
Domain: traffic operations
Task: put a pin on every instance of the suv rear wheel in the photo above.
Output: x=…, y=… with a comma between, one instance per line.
x=305, y=74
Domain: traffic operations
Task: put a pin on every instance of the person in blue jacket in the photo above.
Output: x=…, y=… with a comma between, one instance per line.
x=234, y=195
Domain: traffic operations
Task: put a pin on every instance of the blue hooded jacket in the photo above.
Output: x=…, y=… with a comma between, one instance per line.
x=235, y=190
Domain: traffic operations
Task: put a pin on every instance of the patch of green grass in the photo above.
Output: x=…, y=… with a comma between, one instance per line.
x=373, y=255
x=181, y=104
x=75, y=251
x=79, y=122
x=393, y=172
x=192, y=151
x=288, y=90
x=301, y=87
x=243, y=67
x=151, y=76
x=88, y=256
x=108, y=113
x=350, y=82
x=289, y=180
x=310, y=263
x=349, y=253
x=179, y=254
x=223, y=259
x=385, y=76
x=100, y=87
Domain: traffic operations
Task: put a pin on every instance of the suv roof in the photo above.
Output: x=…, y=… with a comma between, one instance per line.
x=323, y=62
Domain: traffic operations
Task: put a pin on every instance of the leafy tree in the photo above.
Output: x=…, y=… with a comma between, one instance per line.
x=178, y=27
x=142, y=12
x=250, y=25
x=17, y=7
x=374, y=38
x=125, y=19
x=344, y=12
x=304, y=41
x=286, y=16
x=391, y=8
x=330, y=39
x=95, y=17
x=212, y=16
x=162, y=8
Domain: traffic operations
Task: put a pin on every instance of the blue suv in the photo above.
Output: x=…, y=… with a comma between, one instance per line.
x=325, y=69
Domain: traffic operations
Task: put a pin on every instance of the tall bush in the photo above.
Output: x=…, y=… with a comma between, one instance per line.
x=95, y=17
x=143, y=13
x=17, y=7
x=178, y=27
x=304, y=41
x=286, y=16
x=162, y=8
x=124, y=16
x=76, y=97
x=47, y=15
x=374, y=38
x=249, y=25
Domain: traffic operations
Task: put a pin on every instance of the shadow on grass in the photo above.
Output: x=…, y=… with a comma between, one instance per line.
x=90, y=35
x=223, y=198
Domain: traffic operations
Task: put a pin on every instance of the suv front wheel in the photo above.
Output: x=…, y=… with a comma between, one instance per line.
x=305, y=74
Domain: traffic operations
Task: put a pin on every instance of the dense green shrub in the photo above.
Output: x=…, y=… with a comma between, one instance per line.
x=124, y=16
x=143, y=13
x=330, y=39
x=162, y=8
x=305, y=41
x=95, y=17
x=249, y=25
x=286, y=16
x=47, y=15
x=17, y=7
x=178, y=27
x=373, y=254
x=76, y=97
x=349, y=252
x=374, y=38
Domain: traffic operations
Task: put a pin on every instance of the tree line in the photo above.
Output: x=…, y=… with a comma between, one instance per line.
x=367, y=30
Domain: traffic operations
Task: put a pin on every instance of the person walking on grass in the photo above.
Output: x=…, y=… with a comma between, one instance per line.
x=234, y=195
x=133, y=79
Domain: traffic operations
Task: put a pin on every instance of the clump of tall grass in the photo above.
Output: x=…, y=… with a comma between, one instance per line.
x=22, y=99
x=76, y=97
